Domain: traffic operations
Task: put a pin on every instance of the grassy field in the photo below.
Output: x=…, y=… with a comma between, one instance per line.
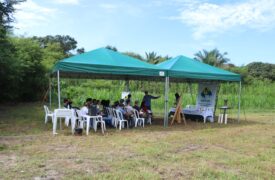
x=196, y=151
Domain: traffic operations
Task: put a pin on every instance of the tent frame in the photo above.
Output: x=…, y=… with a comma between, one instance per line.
x=166, y=98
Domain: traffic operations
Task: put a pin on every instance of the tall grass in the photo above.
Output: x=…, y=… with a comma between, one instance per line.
x=257, y=96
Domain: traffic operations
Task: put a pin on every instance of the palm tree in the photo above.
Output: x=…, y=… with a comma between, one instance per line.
x=111, y=48
x=134, y=55
x=152, y=57
x=213, y=57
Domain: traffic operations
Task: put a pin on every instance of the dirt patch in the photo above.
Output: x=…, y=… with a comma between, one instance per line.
x=8, y=160
x=190, y=147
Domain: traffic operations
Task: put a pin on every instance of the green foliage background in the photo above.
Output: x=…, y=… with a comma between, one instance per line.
x=25, y=64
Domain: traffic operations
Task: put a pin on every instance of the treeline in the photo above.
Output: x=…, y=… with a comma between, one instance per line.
x=25, y=62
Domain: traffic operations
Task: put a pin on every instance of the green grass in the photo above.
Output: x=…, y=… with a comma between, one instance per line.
x=196, y=151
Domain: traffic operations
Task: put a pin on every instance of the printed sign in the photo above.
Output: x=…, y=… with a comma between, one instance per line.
x=207, y=95
x=161, y=73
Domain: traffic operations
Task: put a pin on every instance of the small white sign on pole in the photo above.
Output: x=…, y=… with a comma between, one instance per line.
x=207, y=94
x=161, y=73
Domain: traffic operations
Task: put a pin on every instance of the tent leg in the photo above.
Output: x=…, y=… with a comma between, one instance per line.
x=190, y=90
x=166, y=102
x=50, y=93
x=127, y=85
x=239, y=105
x=58, y=87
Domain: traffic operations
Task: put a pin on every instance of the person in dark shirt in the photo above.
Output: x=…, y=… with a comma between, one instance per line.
x=67, y=103
x=147, y=99
x=136, y=106
x=177, y=98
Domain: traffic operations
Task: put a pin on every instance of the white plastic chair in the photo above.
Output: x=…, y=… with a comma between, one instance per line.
x=64, y=113
x=48, y=114
x=86, y=120
x=137, y=118
x=80, y=122
x=120, y=119
x=111, y=115
x=100, y=120
x=115, y=118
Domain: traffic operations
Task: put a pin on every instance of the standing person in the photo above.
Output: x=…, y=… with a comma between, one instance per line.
x=177, y=98
x=147, y=99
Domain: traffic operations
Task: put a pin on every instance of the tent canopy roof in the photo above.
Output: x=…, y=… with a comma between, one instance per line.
x=182, y=67
x=104, y=63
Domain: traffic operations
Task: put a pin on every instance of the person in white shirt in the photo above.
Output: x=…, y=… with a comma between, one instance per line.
x=129, y=109
x=129, y=113
x=84, y=110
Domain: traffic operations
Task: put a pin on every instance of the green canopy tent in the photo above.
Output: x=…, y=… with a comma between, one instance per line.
x=103, y=63
x=182, y=68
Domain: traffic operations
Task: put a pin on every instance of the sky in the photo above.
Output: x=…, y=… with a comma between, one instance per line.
x=245, y=29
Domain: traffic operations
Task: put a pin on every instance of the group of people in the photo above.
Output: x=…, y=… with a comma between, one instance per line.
x=95, y=107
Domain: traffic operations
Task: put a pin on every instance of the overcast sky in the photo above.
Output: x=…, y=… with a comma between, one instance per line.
x=244, y=28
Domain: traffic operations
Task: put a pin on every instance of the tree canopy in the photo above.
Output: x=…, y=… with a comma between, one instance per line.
x=213, y=57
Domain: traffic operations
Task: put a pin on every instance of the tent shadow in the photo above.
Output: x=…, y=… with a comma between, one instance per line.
x=192, y=125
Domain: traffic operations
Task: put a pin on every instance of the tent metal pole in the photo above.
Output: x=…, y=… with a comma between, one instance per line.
x=50, y=93
x=127, y=85
x=58, y=87
x=166, y=102
x=190, y=90
x=239, y=105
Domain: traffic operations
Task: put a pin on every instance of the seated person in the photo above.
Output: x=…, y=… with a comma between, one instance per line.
x=128, y=98
x=107, y=103
x=129, y=115
x=145, y=112
x=136, y=106
x=89, y=102
x=84, y=110
x=93, y=109
x=129, y=109
x=120, y=107
x=121, y=103
x=67, y=103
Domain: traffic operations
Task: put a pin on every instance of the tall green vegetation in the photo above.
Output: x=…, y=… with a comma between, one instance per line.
x=8, y=67
x=213, y=57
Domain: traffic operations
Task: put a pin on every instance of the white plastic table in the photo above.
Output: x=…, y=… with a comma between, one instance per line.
x=64, y=113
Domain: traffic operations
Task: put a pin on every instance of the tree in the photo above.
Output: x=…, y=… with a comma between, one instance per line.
x=8, y=67
x=6, y=11
x=67, y=43
x=213, y=57
x=31, y=79
x=152, y=57
x=261, y=70
x=113, y=48
x=80, y=50
x=134, y=55
x=51, y=54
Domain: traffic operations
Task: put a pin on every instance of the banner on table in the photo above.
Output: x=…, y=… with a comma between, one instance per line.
x=207, y=94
